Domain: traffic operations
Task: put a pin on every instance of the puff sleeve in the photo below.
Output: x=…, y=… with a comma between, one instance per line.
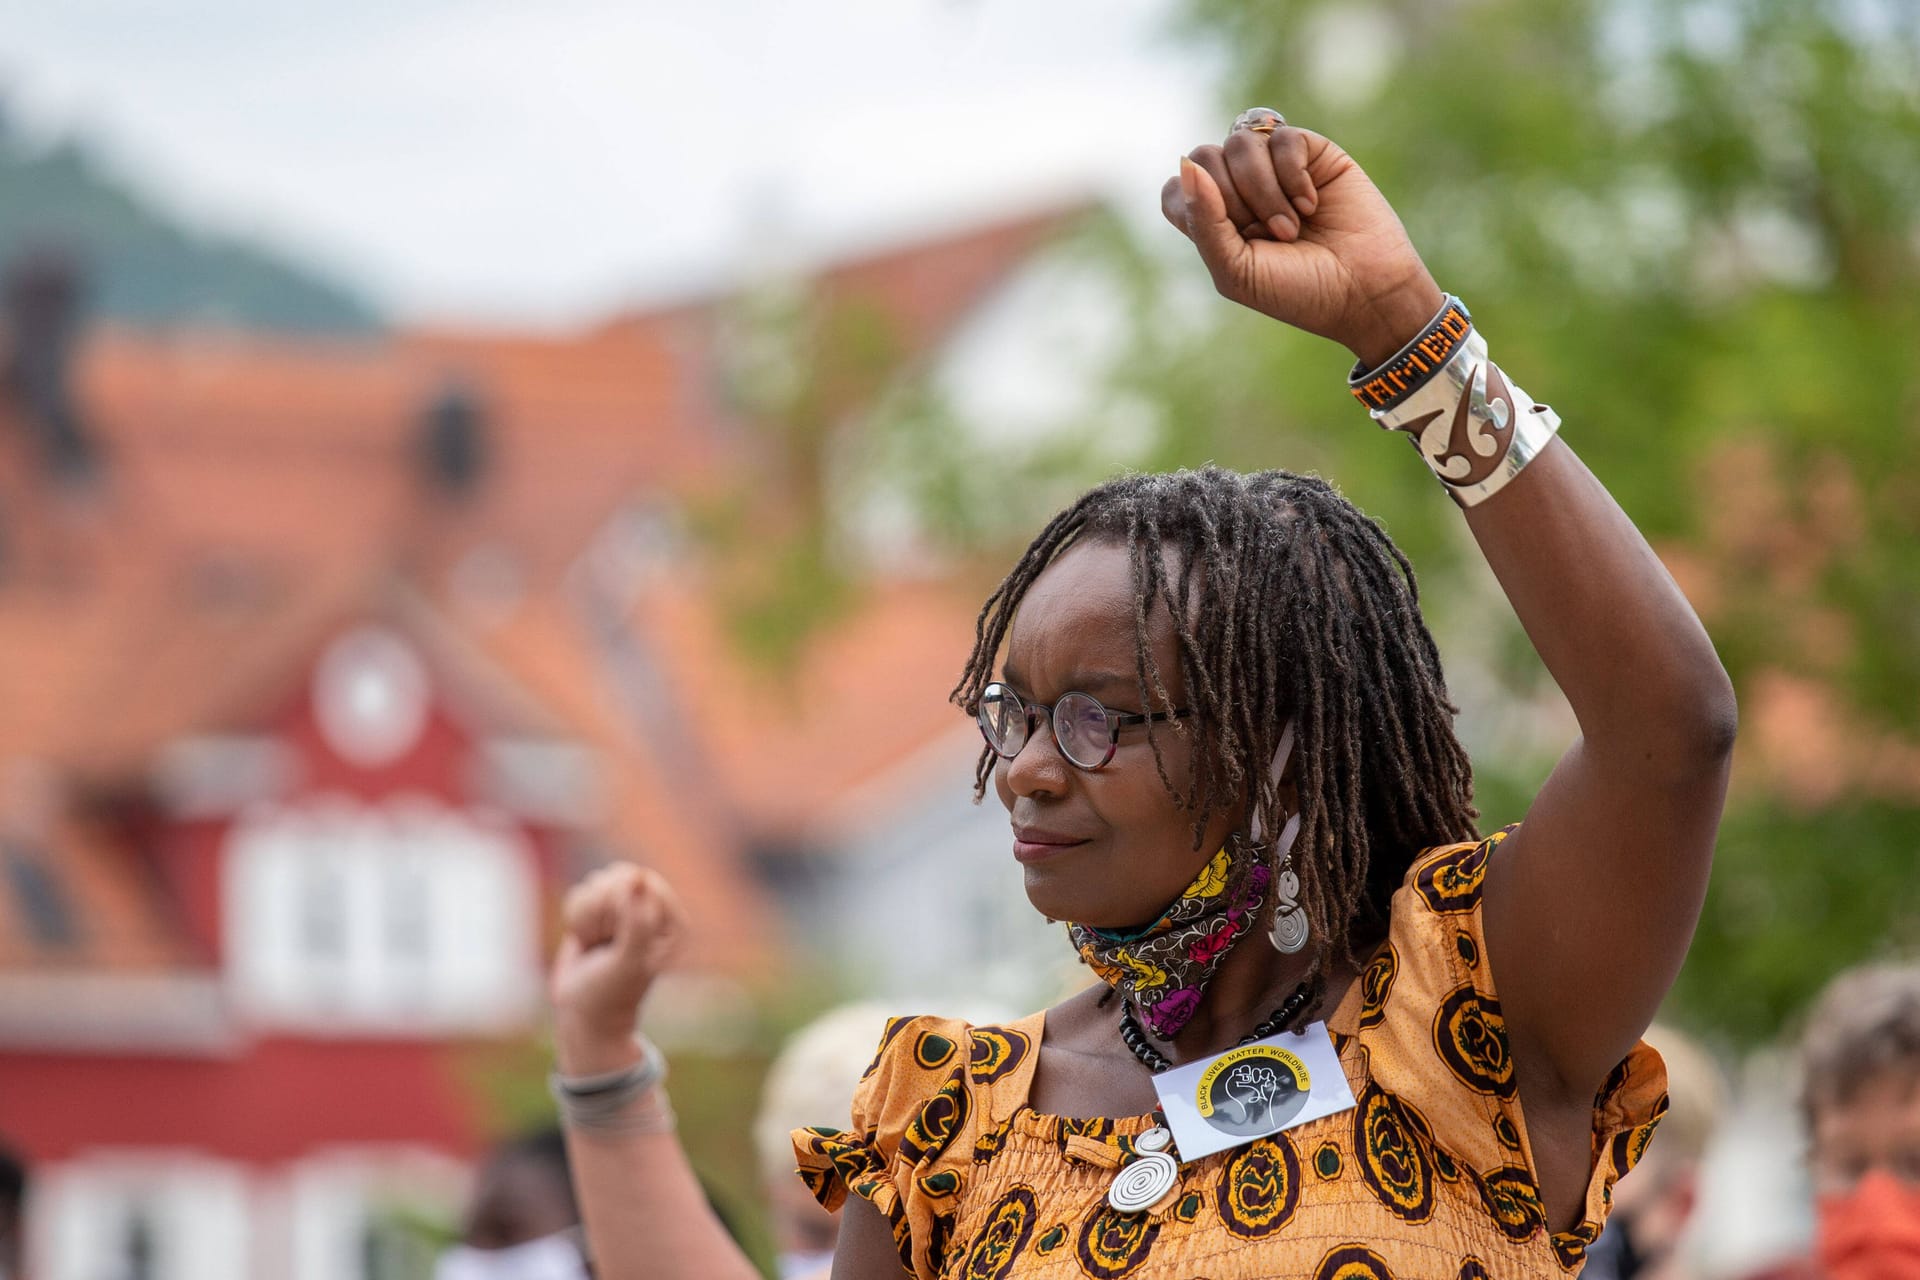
x=1436, y=1045
x=913, y=1116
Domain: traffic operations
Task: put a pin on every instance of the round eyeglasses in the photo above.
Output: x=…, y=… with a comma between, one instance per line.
x=1086, y=730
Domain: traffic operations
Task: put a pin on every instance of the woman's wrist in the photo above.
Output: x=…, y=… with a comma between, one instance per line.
x=1394, y=320
x=584, y=1048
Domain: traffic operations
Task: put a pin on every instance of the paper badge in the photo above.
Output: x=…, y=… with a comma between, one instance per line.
x=1252, y=1091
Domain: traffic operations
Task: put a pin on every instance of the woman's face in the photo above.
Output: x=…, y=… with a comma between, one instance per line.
x=1110, y=847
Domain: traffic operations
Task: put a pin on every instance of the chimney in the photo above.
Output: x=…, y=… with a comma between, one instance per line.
x=43, y=302
x=453, y=442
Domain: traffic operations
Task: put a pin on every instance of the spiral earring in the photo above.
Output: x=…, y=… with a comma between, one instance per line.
x=1290, y=929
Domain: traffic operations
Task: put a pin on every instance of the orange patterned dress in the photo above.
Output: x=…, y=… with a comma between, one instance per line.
x=1429, y=1175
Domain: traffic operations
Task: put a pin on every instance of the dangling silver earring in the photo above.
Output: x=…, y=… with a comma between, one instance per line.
x=1290, y=929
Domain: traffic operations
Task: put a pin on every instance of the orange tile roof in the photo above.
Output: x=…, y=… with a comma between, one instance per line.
x=860, y=699
x=260, y=491
x=1768, y=545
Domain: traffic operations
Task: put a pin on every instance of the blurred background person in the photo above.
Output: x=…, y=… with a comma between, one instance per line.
x=814, y=1077
x=13, y=1196
x=1860, y=1097
x=1653, y=1206
x=522, y=1222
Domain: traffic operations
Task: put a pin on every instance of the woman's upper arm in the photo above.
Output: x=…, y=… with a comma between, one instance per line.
x=1590, y=906
x=865, y=1249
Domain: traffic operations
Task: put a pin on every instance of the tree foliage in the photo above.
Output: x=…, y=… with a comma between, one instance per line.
x=1693, y=226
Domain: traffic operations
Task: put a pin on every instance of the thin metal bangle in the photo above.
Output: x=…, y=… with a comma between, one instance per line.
x=602, y=1101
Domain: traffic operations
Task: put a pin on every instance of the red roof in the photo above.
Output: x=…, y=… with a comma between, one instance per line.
x=258, y=493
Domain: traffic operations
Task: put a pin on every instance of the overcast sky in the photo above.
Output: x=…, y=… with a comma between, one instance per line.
x=545, y=162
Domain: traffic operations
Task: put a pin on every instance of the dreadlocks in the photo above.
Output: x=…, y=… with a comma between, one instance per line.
x=1286, y=602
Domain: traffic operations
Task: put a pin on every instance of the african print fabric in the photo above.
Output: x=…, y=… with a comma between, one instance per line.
x=1164, y=968
x=1429, y=1176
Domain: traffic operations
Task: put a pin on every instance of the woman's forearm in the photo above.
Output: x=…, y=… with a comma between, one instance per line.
x=1611, y=625
x=645, y=1213
x=1605, y=616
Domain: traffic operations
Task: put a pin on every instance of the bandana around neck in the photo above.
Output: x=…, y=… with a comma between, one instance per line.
x=1164, y=969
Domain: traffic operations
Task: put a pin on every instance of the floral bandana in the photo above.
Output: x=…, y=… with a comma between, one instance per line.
x=1164, y=969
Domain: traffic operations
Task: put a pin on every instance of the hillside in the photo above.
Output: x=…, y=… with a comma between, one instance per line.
x=143, y=265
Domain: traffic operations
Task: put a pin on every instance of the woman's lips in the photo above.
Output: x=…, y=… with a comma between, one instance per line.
x=1037, y=846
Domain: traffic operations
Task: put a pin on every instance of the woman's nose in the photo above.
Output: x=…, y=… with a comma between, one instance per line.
x=1038, y=768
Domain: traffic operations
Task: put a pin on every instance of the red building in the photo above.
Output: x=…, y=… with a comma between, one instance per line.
x=324, y=669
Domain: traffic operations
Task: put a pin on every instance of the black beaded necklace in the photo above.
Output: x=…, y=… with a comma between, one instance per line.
x=1155, y=1061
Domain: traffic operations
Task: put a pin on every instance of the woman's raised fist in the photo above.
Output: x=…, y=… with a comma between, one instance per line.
x=622, y=926
x=1288, y=225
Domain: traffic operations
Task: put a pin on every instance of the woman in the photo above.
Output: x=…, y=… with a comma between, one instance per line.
x=1222, y=736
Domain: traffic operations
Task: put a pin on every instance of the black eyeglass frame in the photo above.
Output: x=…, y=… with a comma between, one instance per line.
x=1116, y=721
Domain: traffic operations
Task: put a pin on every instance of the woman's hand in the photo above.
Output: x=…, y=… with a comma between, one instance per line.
x=623, y=925
x=1289, y=225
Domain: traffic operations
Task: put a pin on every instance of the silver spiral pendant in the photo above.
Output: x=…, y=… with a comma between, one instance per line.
x=1140, y=1184
x=1290, y=932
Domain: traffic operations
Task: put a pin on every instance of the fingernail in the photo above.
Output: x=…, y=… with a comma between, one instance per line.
x=1187, y=179
x=1281, y=225
x=1304, y=204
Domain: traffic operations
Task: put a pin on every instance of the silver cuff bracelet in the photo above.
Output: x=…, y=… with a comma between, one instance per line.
x=1472, y=427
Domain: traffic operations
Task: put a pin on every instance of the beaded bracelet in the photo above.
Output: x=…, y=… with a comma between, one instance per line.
x=1393, y=381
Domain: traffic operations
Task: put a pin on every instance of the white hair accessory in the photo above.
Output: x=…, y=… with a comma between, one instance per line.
x=1290, y=928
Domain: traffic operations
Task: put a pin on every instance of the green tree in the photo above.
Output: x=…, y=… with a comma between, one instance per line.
x=1692, y=224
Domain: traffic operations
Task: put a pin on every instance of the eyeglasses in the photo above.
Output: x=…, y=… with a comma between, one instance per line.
x=1085, y=729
